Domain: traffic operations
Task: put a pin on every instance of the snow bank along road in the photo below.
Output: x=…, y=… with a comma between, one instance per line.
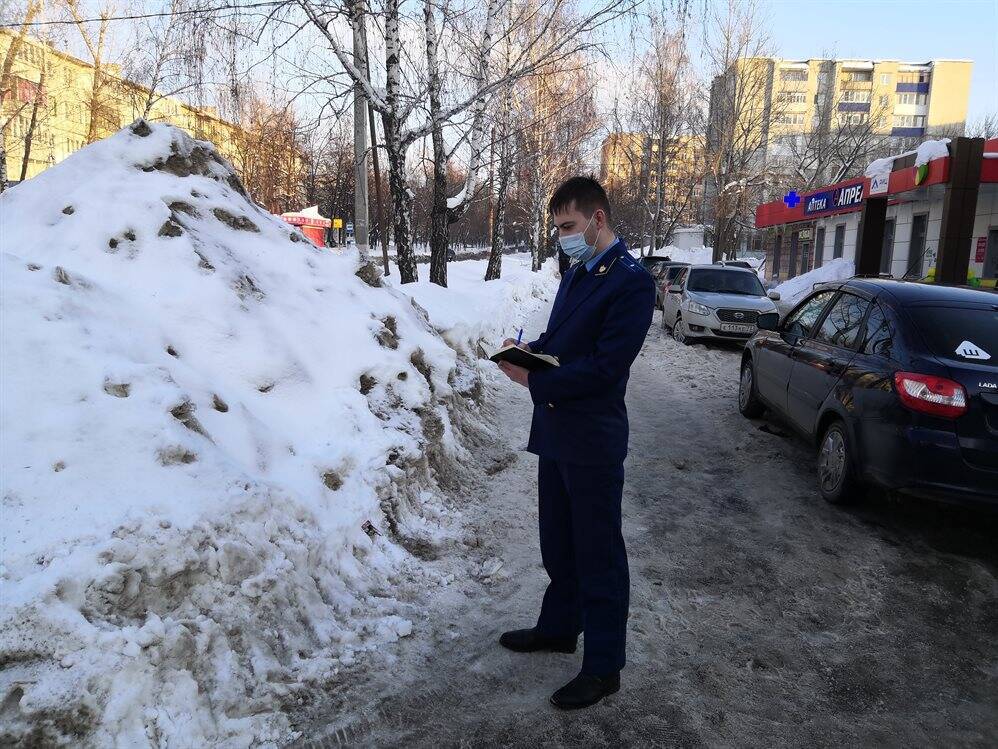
x=759, y=615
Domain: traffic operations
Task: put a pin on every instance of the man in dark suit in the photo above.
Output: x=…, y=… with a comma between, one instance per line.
x=579, y=431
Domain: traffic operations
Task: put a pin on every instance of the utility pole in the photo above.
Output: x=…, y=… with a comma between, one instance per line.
x=359, y=130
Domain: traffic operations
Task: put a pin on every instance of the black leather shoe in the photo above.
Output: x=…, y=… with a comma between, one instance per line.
x=585, y=690
x=531, y=641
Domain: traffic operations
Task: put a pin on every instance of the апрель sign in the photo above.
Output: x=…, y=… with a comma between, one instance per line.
x=834, y=200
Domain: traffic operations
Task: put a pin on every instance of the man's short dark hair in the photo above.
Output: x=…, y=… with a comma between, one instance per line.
x=585, y=193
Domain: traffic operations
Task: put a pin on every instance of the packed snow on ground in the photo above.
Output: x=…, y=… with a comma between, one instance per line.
x=472, y=311
x=220, y=446
x=794, y=289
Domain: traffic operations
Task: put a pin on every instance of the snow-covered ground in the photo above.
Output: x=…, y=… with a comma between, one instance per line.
x=470, y=310
x=220, y=446
x=794, y=289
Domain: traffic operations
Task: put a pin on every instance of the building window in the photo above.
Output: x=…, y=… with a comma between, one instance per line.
x=855, y=118
x=790, y=118
x=885, y=79
x=920, y=76
x=861, y=76
x=858, y=96
x=840, y=240
x=819, y=246
x=885, y=101
x=792, y=97
x=908, y=98
x=791, y=74
x=909, y=120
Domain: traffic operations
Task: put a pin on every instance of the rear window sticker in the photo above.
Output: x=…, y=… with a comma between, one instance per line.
x=970, y=350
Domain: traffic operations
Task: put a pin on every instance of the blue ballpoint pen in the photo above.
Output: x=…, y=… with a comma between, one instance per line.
x=519, y=336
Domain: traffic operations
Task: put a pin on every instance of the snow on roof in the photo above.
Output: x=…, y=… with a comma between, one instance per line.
x=927, y=151
x=201, y=411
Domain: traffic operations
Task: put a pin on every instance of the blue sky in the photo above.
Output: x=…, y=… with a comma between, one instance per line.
x=909, y=30
x=912, y=30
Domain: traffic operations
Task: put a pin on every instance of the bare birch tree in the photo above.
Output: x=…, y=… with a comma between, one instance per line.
x=553, y=35
x=741, y=112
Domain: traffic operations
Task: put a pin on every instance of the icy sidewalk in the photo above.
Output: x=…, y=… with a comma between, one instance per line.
x=221, y=449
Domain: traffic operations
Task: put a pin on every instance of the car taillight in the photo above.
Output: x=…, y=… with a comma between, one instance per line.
x=932, y=395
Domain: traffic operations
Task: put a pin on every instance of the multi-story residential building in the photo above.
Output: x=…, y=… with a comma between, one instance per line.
x=776, y=101
x=62, y=102
x=630, y=163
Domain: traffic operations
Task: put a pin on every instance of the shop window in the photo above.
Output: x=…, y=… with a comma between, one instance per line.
x=819, y=246
x=840, y=241
x=887, y=249
x=916, y=245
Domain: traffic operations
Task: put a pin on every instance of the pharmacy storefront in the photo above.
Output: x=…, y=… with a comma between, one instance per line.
x=896, y=221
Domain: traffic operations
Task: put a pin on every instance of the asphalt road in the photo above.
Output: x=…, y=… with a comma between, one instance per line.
x=759, y=614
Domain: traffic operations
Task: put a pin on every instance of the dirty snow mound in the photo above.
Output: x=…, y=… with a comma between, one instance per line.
x=218, y=445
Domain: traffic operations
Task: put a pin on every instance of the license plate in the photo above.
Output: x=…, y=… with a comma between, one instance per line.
x=730, y=327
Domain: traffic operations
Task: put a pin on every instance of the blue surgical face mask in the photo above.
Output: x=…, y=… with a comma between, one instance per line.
x=576, y=246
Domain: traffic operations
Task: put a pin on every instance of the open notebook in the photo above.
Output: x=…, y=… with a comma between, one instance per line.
x=526, y=359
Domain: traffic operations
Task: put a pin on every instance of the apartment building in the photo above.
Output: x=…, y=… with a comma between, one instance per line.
x=778, y=100
x=61, y=103
x=630, y=162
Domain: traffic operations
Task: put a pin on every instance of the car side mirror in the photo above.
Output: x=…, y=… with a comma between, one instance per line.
x=768, y=320
x=774, y=295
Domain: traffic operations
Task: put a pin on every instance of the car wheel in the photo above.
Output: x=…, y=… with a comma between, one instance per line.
x=748, y=401
x=836, y=473
x=677, y=332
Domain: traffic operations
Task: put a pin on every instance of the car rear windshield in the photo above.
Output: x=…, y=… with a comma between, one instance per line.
x=721, y=281
x=969, y=335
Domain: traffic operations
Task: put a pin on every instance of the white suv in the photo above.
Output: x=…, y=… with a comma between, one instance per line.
x=721, y=302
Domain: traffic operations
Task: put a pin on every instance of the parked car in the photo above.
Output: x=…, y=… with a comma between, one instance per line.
x=713, y=301
x=648, y=262
x=895, y=382
x=665, y=274
x=735, y=263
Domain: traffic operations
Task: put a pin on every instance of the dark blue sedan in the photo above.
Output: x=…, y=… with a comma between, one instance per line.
x=896, y=384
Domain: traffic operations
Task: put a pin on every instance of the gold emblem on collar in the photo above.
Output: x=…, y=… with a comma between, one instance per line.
x=602, y=270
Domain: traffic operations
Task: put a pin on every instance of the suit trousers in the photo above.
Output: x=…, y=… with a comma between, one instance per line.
x=583, y=552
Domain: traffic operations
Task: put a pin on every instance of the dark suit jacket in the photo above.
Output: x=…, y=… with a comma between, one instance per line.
x=596, y=330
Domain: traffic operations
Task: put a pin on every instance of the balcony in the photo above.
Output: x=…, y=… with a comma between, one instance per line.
x=913, y=88
x=908, y=132
x=854, y=106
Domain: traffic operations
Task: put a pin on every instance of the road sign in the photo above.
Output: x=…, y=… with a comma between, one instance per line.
x=337, y=223
x=350, y=226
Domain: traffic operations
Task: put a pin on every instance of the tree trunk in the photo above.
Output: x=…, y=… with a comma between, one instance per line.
x=3, y=165
x=401, y=203
x=30, y=136
x=536, y=221
x=439, y=224
x=494, y=268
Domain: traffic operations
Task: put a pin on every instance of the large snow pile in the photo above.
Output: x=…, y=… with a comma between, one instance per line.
x=794, y=289
x=218, y=445
x=470, y=311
